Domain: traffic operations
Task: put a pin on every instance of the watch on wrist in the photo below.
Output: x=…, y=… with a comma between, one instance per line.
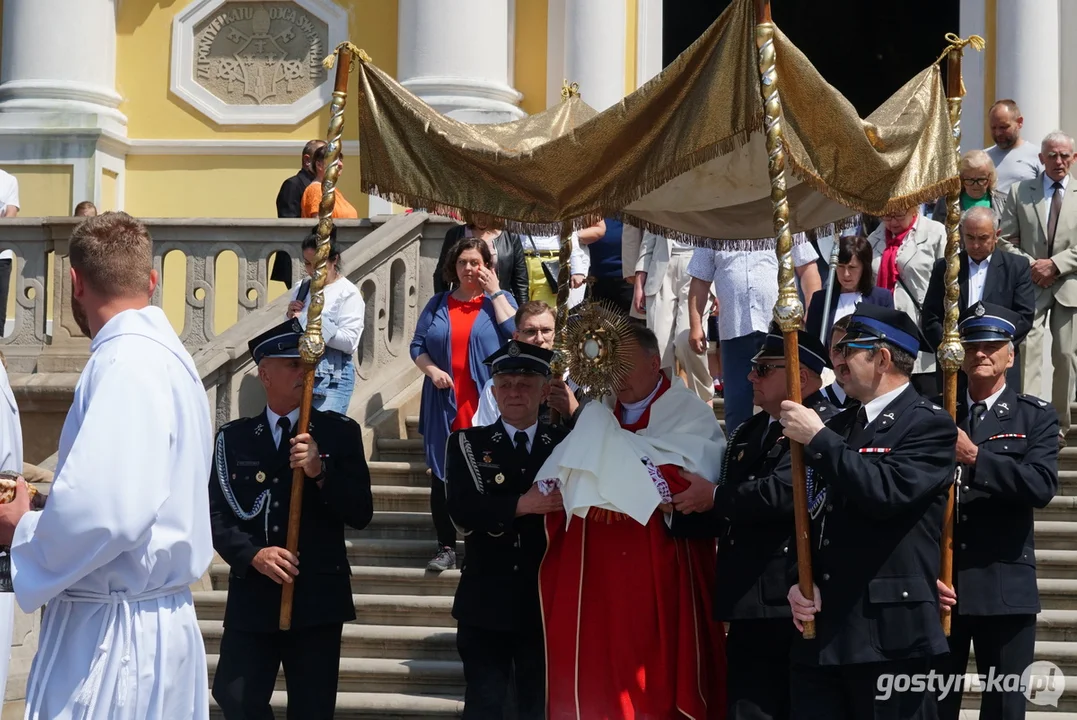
x=498, y=294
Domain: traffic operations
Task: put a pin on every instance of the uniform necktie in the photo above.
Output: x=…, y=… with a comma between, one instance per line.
x=976, y=414
x=773, y=433
x=520, y=440
x=1052, y=217
x=858, y=427
x=285, y=426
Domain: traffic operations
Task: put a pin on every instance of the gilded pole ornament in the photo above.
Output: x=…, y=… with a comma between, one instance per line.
x=950, y=352
x=788, y=311
x=564, y=256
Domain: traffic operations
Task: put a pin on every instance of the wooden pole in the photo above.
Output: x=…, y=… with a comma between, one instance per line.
x=312, y=346
x=788, y=311
x=950, y=352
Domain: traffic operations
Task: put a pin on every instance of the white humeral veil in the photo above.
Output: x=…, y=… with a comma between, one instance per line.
x=601, y=465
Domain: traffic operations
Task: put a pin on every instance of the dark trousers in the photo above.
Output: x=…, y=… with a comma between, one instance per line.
x=614, y=291
x=439, y=510
x=247, y=672
x=496, y=662
x=848, y=692
x=5, y=283
x=757, y=669
x=1004, y=645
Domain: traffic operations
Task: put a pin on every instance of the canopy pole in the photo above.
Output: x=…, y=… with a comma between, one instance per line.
x=950, y=353
x=564, y=276
x=788, y=311
x=312, y=345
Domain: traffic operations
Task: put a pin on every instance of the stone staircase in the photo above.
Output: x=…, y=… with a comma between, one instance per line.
x=399, y=658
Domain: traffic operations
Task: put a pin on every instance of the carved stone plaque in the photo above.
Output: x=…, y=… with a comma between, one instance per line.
x=260, y=53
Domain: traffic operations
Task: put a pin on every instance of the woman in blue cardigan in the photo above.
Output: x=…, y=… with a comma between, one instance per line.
x=456, y=331
x=856, y=284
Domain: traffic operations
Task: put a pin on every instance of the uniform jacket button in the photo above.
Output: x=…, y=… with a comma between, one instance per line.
x=276, y=528
x=830, y=507
x=515, y=568
x=785, y=549
x=826, y=543
x=276, y=504
x=964, y=488
x=818, y=456
x=964, y=517
x=826, y=576
x=905, y=594
x=963, y=546
x=275, y=480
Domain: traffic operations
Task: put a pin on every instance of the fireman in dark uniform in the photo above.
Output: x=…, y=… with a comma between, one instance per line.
x=878, y=480
x=1008, y=453
x=495, y=503
x=250, y=489
x=753, y=518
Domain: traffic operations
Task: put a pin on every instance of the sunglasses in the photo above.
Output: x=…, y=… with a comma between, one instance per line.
x=762, y=369
x=847, y=348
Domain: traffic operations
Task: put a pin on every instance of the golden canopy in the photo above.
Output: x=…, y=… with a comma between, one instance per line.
x=683, y=155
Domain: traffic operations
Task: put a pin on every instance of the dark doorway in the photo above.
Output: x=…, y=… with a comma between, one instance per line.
x=866, y=50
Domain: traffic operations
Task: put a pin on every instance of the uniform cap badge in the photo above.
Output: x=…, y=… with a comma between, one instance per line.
x=499, y=478
x=979, y=311
x=260, y=477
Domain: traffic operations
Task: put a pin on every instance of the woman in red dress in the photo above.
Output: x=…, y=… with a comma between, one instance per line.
x=456, y=331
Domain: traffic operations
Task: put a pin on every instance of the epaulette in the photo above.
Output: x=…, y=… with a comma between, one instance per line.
x=334, y=415
x=924, y=402
x=233, y=423
x=1033, y=400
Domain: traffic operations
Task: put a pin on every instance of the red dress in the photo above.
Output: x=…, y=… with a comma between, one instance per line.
x=627, y=616
x=462, y=315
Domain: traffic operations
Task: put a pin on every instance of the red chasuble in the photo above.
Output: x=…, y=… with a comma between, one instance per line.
x=627, y=615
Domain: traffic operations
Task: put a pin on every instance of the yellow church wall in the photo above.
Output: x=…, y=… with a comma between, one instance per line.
x=219, y=186
x=44, y=190
x=631, y=42
x=108, y=191
x=530, y=58
x=144, y=39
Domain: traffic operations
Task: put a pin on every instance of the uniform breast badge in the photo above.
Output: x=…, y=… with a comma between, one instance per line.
x=486, y=457
x=260, y=476
x=499, y=478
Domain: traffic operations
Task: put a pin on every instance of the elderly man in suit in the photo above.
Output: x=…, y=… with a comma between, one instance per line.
x=661, y=295
x=999, y=278
x=905, y=248
x=1040, y=222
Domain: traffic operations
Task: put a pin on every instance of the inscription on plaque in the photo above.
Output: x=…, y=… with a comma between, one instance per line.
x=260, y=53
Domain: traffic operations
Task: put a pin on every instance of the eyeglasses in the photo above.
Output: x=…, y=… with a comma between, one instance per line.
x=763, y=369
x=534, y=331
x=895, y=216
x=846, y=349
x=980, y=181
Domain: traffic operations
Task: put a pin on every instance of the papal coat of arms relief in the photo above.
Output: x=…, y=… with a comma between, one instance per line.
x=260, y=53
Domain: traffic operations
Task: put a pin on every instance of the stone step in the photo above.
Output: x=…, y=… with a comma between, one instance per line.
x=377, y=706
x=1058, y=594
x=1057, y=626
x=1067, y=481
x=1061, y=507
x=1060, y=564
x=1055, y=534
x=411, y=610
x=388, y=675
x=394, y=449
x=401, y=498
x=410, y=474
x=394, y=552
x=410, y=525
x=377, y=580
x=372, y=641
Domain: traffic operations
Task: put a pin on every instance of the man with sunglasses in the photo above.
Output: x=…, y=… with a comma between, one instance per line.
x=1009, y=467
x=752, y=514
x=878, y=481
x=834, y=392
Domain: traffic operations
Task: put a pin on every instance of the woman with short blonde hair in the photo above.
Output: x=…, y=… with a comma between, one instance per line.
x=978, y=181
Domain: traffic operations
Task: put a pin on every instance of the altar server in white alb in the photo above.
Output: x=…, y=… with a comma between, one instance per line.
x=10, y=461
x=126, y=528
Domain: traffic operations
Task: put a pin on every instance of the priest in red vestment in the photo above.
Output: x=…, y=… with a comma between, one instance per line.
x=627, y=607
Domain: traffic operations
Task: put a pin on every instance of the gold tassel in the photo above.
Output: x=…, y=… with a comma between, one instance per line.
x=959, y=43
x=355, y=52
